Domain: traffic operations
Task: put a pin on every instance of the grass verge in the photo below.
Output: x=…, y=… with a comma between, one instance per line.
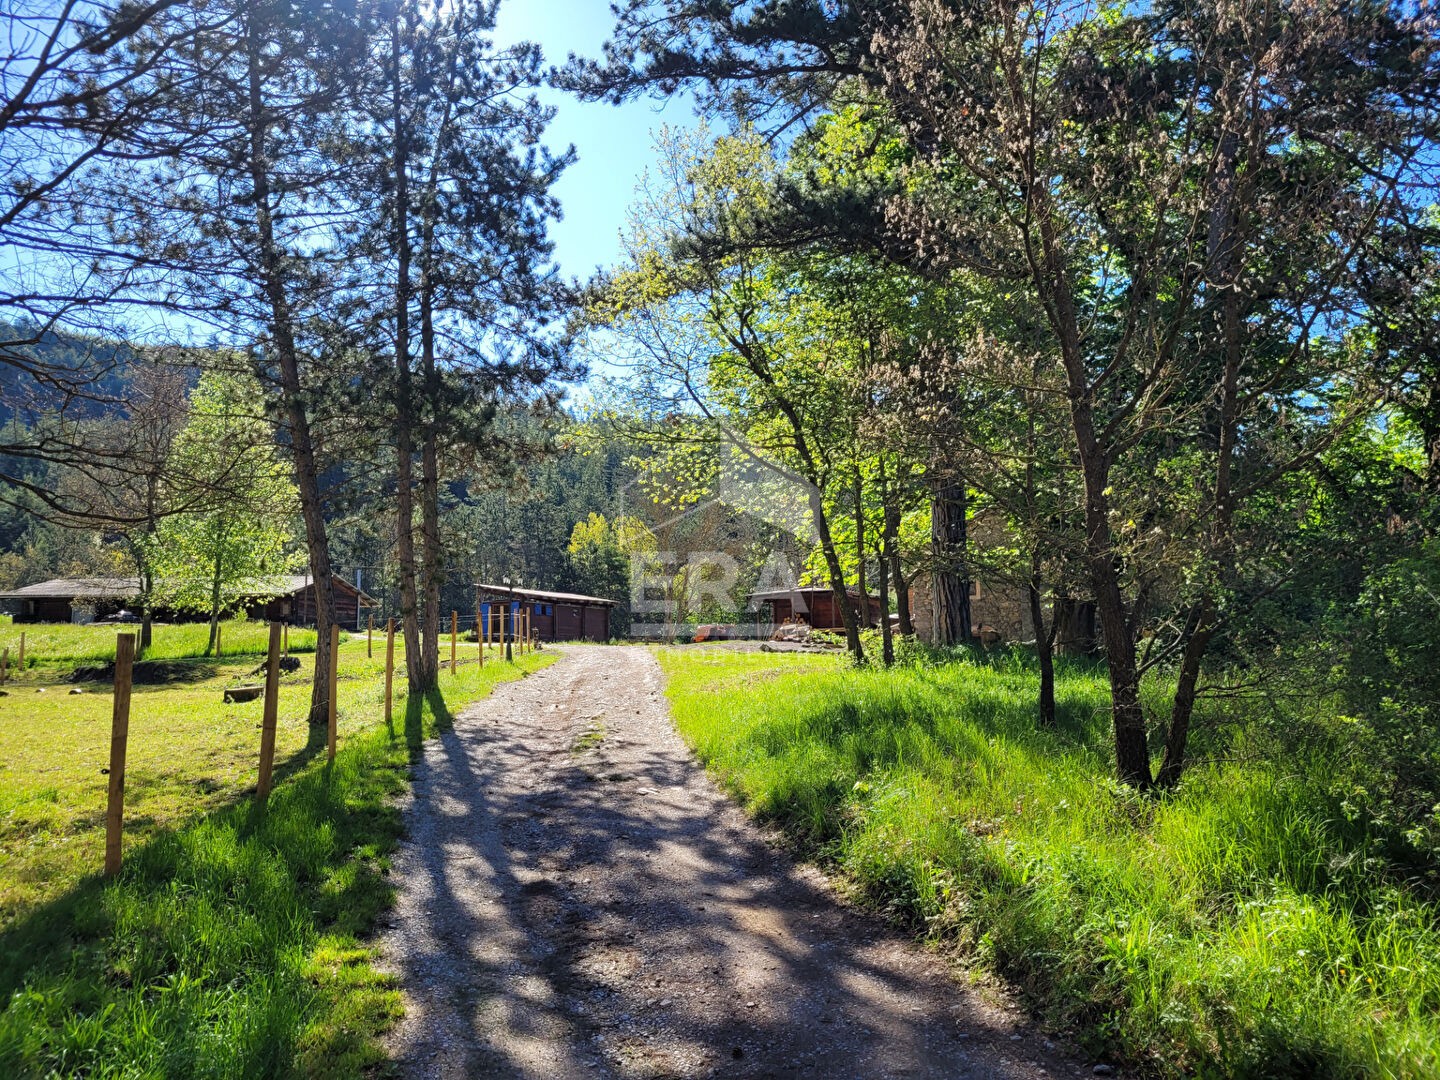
x=1240, y=928
x=230, y=945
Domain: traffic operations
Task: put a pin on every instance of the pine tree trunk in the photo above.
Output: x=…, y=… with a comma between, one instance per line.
x=405, y=421
x=837, y=576
x=890, y=553
x=293, y=401
x=860, y=550
x=432, y=553
x=214, y=605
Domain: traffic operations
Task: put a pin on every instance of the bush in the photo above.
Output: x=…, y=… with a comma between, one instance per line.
x=1392, y=686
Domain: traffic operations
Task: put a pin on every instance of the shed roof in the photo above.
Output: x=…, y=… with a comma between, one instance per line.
x=542, y=594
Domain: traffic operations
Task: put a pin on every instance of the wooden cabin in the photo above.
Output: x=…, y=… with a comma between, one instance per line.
x=296, y=603
x=815, y=607
x=291, y=598
x=554, y=616
x=78, y=600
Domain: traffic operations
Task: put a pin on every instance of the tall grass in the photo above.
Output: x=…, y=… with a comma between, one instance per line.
x=1237, y=928
x=232, y=947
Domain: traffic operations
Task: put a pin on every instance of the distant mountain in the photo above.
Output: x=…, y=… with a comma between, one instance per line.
x=83, y=374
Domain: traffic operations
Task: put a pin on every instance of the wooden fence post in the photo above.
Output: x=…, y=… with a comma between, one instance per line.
x=505, y=642
x=267, y=722
x=4, y=665
x=334, y=683
x=454, y=630
x=370, y=637
x=22, y=650
x=119, y=736
x=389, y=668
x=285, y=652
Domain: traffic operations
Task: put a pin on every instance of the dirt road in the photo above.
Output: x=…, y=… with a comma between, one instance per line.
x=578, y=899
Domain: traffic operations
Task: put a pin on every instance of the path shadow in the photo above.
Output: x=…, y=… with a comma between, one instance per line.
x=512, y=831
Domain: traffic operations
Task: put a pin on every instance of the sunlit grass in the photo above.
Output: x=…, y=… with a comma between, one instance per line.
x=51, y=645
x=1238, y=928
x=230, y=944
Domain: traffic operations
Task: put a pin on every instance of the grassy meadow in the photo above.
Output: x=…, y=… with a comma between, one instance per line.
x=1237, y=928
x=230, y=944
x=53, y=647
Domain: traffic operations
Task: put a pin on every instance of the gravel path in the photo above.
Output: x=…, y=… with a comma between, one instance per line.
x=578, y=899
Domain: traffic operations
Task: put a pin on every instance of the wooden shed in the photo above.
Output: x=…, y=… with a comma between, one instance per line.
x=815, y=607
x=554, y=616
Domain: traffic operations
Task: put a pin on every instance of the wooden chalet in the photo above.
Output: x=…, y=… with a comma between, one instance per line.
x=554, y=616
x=815, y=607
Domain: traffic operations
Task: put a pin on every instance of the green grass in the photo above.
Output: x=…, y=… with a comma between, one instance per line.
x=231, y=943
x=1238, y=928
x=56, y=645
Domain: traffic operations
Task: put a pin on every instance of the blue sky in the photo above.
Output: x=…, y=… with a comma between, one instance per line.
x=613, y=142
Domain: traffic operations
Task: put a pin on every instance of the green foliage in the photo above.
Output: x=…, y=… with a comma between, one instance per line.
x=1392, y=683
x=240, y=539
x=1240, y=927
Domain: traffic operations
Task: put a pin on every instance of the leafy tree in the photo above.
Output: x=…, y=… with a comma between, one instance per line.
x=241, y=542
x=1189, y=198
x=601, y=552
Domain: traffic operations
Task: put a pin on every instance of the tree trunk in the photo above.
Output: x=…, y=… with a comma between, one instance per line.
x=837, y=576
x=1044, y=645
x=1201, y=626
x=950, y=577
x=147, y=615
x=293, y=398
x=1182, y=710
x=890, y=552
x=215, y=604
x=432, y=553
x=887, y=641
x=419, y=677
x=860, y=549
x=1074, y=626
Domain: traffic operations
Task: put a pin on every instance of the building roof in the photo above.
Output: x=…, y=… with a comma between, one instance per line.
x=128, y=588
x=294, y=583
x=808, y=590
x=95, y=588
x=541, y=594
